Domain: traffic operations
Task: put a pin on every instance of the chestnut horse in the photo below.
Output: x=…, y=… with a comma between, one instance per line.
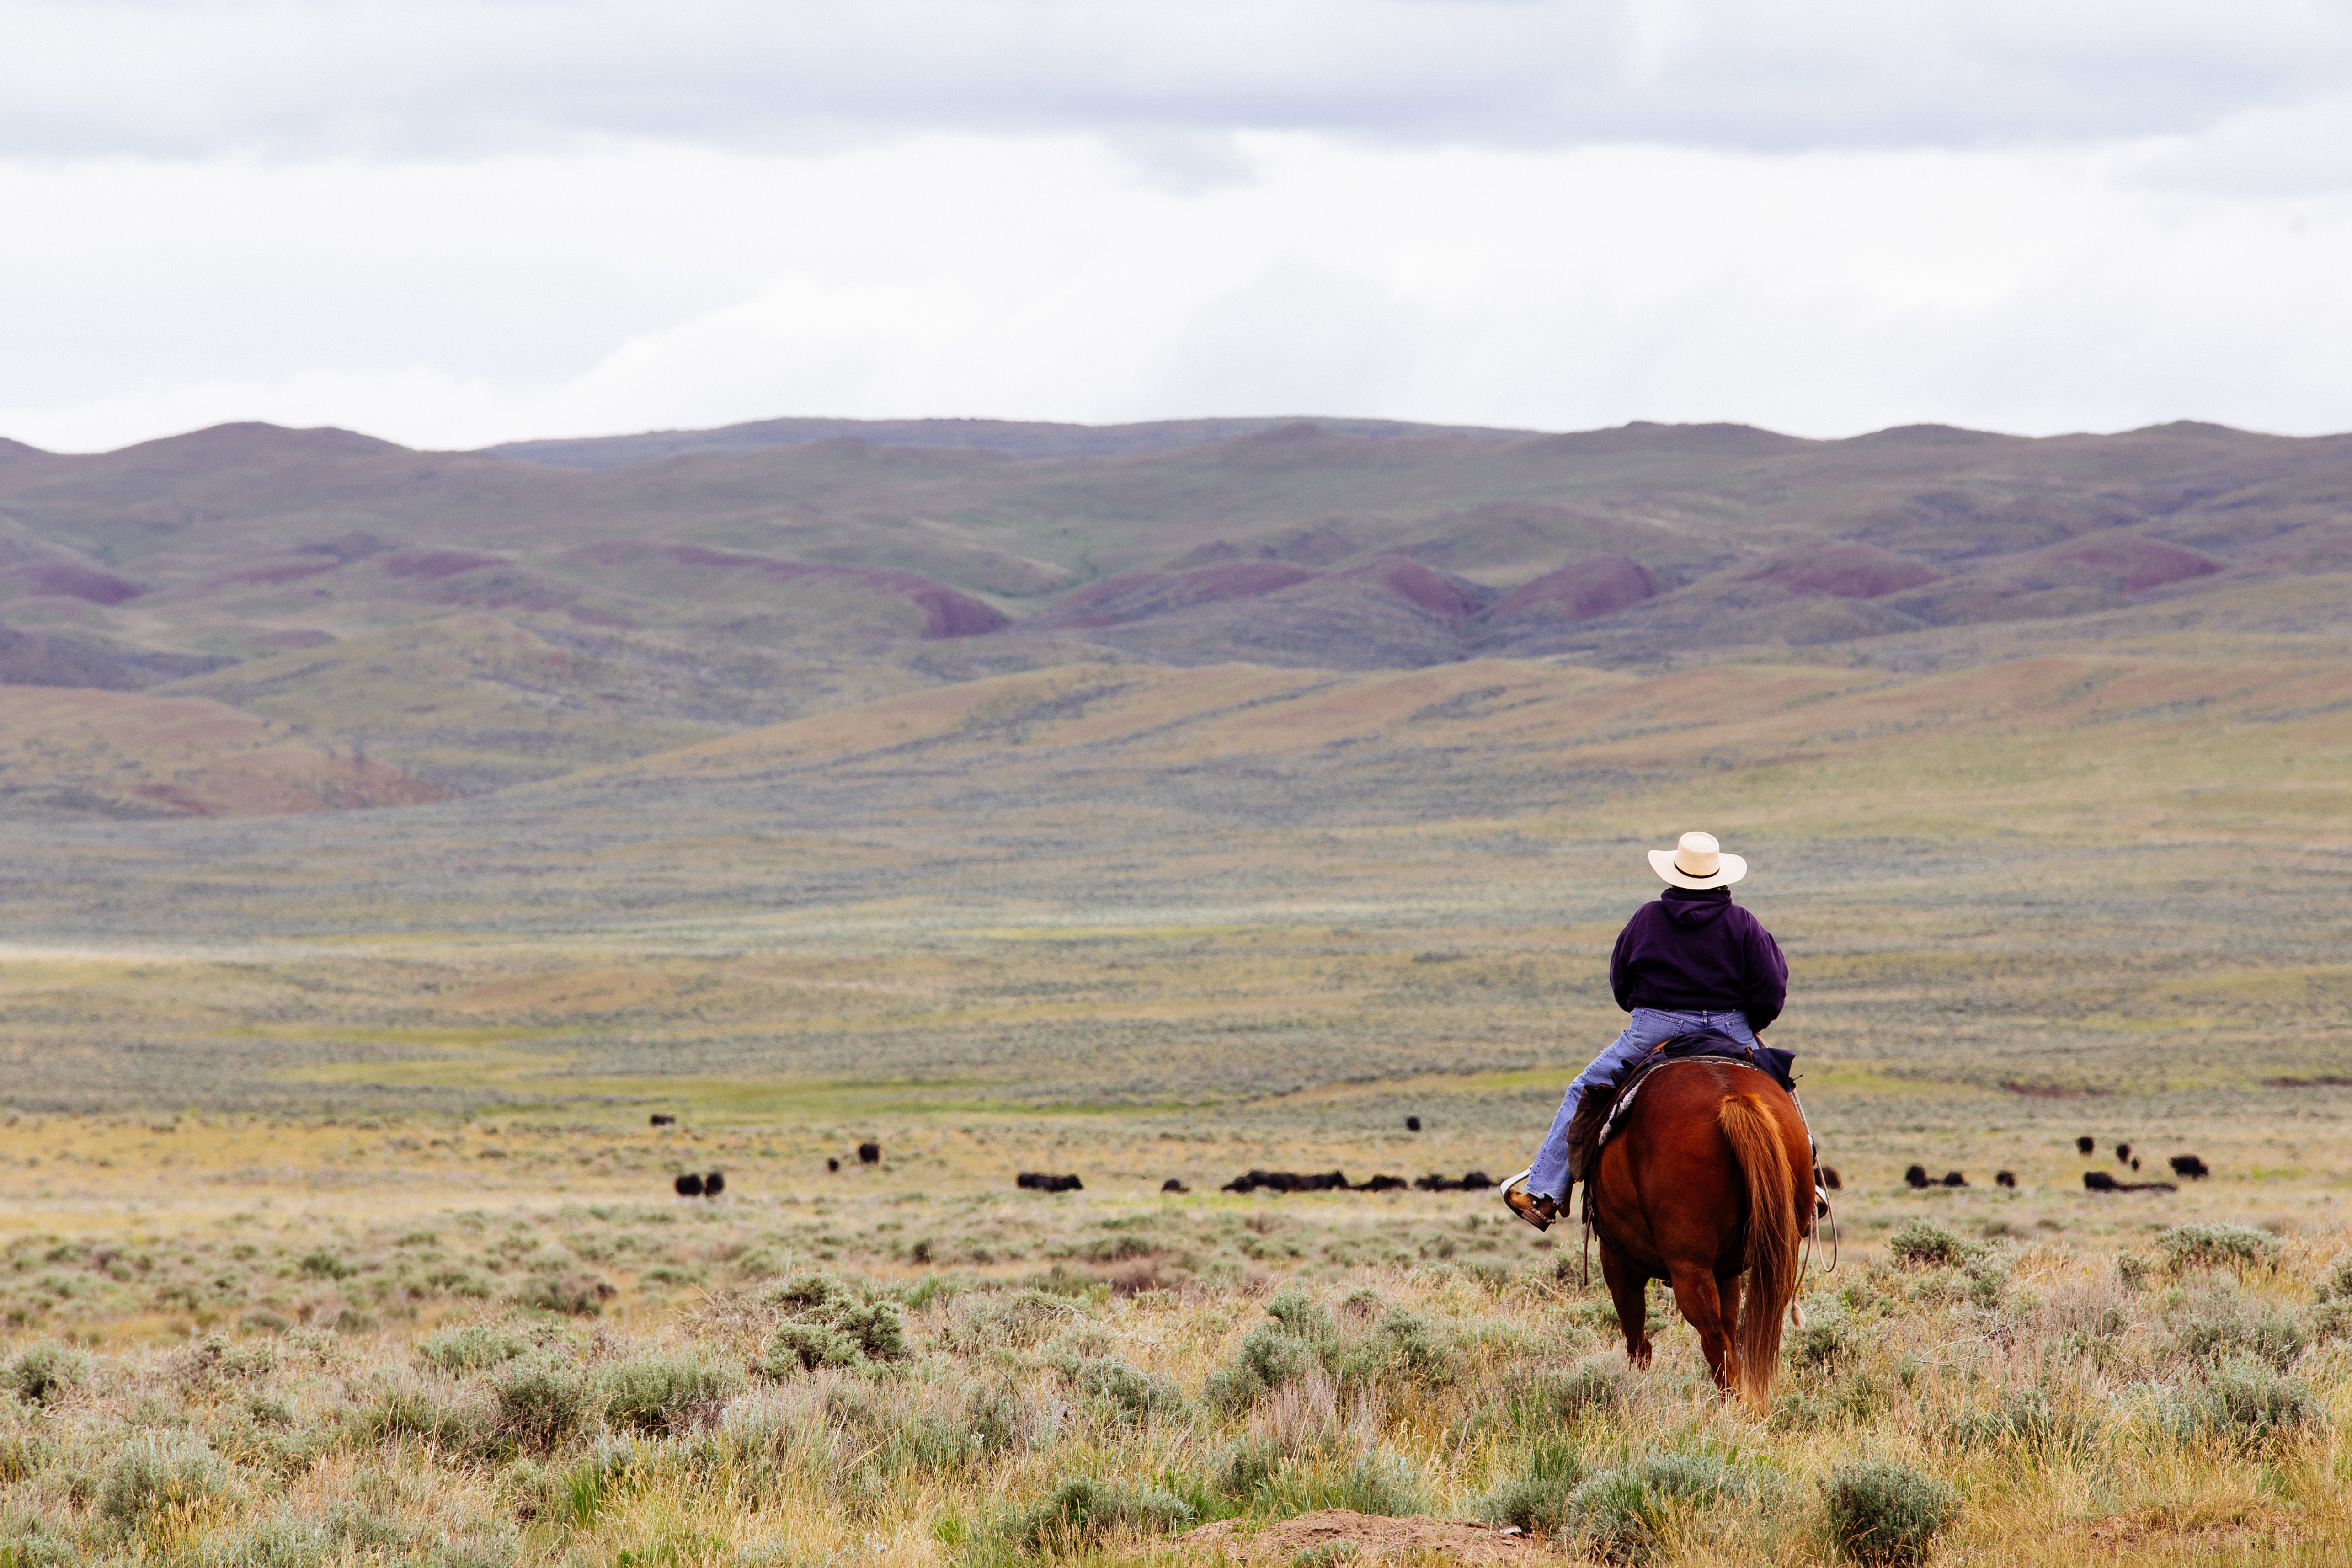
x=1710, y=1177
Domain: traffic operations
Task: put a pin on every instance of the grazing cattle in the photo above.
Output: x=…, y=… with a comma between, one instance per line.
x=1413, y=1123
x=1172, y=1185
x=2123, y=1153
x=714, y=1183
x=2190, y=1166
x=2135, y=1162
x=1383, y=1185
x=2004, y=1178
x=1040, y=1181
x=658, y=1119
x=689, y=1185
x=1288, y=1181
x=1916, y=1177
x=2085, y=1144
x=1953, y=1179
x=832, y=1164
x=1476, y=1181
x=1831, y=1180
x=869, y=1154
x=2100, y=1181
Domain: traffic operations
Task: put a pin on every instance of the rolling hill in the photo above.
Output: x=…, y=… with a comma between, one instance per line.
x=480, y=619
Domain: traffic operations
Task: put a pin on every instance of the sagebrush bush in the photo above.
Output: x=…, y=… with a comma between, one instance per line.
x=827, y=1322
x=2220, y=1325
x=2218, y=1245
x=471, y=1347
x=45, y=1372
x=1269, y=1357
x=154, y=1474
x=1619, y=1514
x=2337, y=1283
x=2243, y=1401
x=1083, y=1511
x=665, y=1396
x=1887, y=1512
x=1119, y=1388
x=539, y=1402
x=1828, y=1340
x=1924, y=1244
x=1566, y=1398
x=1537, y=1498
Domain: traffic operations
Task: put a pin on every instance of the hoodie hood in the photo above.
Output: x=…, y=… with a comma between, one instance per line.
x=1695, y=910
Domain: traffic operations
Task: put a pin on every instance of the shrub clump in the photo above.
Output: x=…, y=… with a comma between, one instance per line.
x=44, y=1373
x=1566, y=1398
x=1538, y=1498
x=1619, y=1514
x=1887, y=1513
x=663, y=1396
x=1924, y=1244
x=2241, y=1402
x=151, y=1475
x=828, y=1322
x=1269, y=1357
x=2219, y=1246
x=1126, y=1391
x=1829, y=1340
x=2338, y=1284
x=539, y=1402
x=1084, y=1511
x=470, y=1347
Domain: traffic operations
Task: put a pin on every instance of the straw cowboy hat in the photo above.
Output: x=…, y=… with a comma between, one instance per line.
x=1698, y=861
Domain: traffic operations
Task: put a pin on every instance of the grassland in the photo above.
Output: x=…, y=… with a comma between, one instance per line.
x=334, y=1230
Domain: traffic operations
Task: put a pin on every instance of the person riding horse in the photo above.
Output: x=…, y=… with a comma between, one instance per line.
x=1691, y=962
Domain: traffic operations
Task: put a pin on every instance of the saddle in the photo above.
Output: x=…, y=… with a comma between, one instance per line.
x=1599, y=1114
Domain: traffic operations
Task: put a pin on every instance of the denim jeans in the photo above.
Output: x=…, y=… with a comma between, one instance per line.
x=1649, y=1027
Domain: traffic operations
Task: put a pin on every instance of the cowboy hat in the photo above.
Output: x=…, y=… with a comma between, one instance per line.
x=1698, y=861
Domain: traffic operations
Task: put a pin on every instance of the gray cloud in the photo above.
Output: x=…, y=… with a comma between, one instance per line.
x=460, y=79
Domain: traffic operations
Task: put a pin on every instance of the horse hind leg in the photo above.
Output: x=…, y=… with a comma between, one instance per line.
x=1703, y=1309
x=1628, y=1289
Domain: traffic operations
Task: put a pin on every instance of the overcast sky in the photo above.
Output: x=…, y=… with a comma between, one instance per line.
x=453, y=223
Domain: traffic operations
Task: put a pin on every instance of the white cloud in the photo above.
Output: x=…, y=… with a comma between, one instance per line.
x=1043, y=278
x=454, y=224
x=454, y=79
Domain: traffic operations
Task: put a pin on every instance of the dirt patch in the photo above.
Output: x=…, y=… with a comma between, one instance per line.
x=1370, y=1536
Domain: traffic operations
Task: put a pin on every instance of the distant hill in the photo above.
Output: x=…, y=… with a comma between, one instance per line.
x=479, y=619
x=1015, y=439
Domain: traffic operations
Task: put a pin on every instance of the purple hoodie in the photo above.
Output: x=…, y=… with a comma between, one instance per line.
x=1692, y=951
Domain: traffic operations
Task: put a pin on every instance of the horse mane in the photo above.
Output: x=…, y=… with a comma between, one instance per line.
x=1773, y=1242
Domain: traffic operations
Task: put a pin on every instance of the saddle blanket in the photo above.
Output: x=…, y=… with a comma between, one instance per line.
x=1696, y=1048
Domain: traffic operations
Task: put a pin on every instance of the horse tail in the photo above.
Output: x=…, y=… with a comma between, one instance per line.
x=1773, y=1242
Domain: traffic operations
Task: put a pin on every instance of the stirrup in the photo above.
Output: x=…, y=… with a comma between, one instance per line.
x=1517, y=1185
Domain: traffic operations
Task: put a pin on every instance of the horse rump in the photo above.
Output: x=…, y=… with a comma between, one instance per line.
x=1773, y=1236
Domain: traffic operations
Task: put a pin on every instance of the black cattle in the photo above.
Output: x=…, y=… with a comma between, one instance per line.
x=1041, y=1182
x=832, y=1164
x=1830, y=1179
x=689, y=1185
x=1476, y=1181
x=1288, y=1181
x=2123, y=1153
x=1413, y=1123
x=2100, y=1181
x=2190, y=1166
x=1383, y=1185
x=714, y=1183
x=2004, y=1178
x=869, y=1154
x=1953, y=1179
x=2085, y=1144
x=1172, y=1185
x=658, y=1119
x=1916, y=1177
x=2135, y=1162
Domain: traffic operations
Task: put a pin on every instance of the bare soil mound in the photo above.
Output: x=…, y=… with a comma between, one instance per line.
x=1371, y=1535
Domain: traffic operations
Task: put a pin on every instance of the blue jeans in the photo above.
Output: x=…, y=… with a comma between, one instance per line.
x=1649, y=1027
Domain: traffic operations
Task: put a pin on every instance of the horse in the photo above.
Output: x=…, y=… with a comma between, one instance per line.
x=1709, y=1178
